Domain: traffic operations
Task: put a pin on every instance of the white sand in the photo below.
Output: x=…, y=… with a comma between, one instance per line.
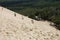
x=20, y=27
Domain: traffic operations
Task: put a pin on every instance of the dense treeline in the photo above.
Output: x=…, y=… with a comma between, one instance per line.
x=48, y=13
x=37, y=9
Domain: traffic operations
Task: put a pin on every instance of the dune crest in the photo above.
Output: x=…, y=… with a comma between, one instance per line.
x=14, y=26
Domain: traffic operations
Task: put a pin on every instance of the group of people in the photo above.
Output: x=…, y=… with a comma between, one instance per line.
x=23, y=18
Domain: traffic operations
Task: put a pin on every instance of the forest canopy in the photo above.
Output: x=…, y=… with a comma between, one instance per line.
x=43, y=9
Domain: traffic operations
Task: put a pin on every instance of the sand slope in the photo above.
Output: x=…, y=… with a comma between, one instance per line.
x=20, y=27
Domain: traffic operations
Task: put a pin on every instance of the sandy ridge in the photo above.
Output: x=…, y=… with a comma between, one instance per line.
x=20, y=27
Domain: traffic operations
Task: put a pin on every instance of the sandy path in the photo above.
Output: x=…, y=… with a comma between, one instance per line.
x=20, y=27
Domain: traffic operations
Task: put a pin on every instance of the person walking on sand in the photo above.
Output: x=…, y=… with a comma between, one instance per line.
x=32, y=21
x=14, y=14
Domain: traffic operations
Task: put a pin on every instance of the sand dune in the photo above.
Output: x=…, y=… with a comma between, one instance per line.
x=14, y=26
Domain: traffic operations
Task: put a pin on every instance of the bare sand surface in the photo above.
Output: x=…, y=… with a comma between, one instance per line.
x=20, y=27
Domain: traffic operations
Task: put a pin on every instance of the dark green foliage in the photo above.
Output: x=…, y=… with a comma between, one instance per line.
x=44, y=9
x=47, y=13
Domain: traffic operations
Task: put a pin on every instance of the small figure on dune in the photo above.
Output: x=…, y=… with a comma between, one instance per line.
x=32, y=21
x=14, y=14
x=22, y=18
x=2, y=8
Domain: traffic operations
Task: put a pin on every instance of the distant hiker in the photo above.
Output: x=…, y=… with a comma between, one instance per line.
x=32, y=21
x=2, y=8
x=14, y=14
x=22, y=18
